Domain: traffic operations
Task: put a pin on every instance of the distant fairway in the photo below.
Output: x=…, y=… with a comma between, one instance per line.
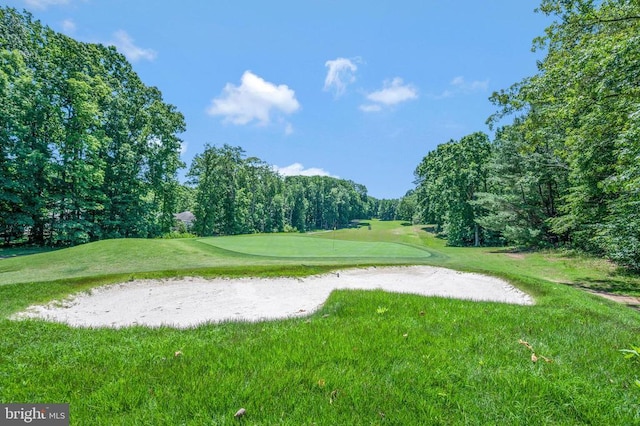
x=304, y=246
x=206, y=256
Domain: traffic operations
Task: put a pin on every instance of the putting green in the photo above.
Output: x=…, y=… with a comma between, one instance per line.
x=312, y=246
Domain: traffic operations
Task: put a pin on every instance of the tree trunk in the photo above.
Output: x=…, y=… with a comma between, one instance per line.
x=477, y=235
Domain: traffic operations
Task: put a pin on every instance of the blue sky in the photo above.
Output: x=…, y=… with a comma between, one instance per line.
x=360, y=90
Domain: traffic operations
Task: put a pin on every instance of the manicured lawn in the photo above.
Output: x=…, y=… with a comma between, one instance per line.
x=367, y=357
x=14, y=251
x=115, y=259
x=320, y=245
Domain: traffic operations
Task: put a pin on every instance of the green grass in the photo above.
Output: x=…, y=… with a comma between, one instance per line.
x=367, y=357
x=138, y=257
x=317, y=246
x=6, y=252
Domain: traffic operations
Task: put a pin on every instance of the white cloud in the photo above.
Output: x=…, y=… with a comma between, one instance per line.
x=474, y=86
x=457, y=81
x=124, y=43
x=297, y=169
x=445, y=94
x=184, y=146
x=68, y=26
x=255, y=99
x=341, y=73
x=370, y=108
x=461, y=86
x=392, y=93
x=288, y=129
x=43, y=4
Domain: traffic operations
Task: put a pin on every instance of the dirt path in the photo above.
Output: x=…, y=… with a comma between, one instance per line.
x=630, y=301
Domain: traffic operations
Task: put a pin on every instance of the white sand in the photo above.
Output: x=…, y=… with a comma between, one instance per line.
x=188, y=302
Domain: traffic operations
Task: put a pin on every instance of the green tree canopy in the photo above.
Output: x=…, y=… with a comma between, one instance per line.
x=87, y=150
x=584, y=102
x=448, y=179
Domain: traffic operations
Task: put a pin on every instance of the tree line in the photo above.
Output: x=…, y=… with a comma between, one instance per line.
x=566, y=170
x=87, y=151
x=236, y=194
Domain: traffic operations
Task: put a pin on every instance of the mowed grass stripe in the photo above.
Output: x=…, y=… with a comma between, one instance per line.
x=138, y=256
x=113, y=257
x=307, y=246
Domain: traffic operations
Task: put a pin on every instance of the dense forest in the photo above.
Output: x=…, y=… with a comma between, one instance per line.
x=87, y=151
x=233, y=194
x=566, y=170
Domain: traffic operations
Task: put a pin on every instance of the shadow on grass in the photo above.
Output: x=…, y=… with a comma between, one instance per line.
x=433, y=230
x=610, y=285
x=7, y=252
x=512, y=250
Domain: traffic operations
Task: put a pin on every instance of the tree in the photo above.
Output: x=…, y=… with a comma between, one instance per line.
x=15, y=180
x=387, y=209
x=323, y=202
x=235, y=194
x=163, y=123
x=447, y=182
x=408, y=207
x=588, y=82
x=88, y=150
x=527, y=180
x=77, y=167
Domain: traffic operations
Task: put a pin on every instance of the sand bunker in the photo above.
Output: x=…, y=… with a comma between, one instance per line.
x=189, y=302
